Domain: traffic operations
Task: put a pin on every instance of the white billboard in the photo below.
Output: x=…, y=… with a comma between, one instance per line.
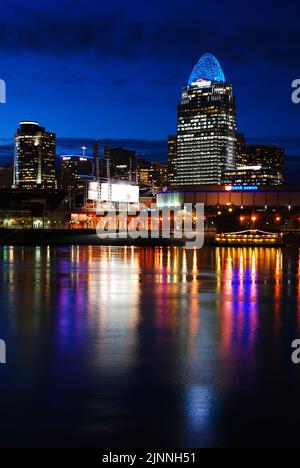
x=121, y=193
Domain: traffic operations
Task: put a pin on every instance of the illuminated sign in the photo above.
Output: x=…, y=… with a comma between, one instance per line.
x=201, y=83
x=241, y=188
x=120, y=193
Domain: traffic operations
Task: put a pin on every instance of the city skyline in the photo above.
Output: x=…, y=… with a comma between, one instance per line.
x=153, y=150
x=149, y=227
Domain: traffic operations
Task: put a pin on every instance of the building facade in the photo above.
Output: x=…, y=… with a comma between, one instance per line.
x=252, y=176
x=222, y=196
x=123, y=164
x=268, y=160
x=172, y=159
x=144, y=171
x=268, y=157
x=154, y=174
x=206, y=129
x=74, y=170
x=34, y=161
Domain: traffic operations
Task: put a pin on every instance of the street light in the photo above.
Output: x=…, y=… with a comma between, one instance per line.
x=253, y=219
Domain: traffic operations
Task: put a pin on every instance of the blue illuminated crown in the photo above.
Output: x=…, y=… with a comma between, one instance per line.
x=208, y=68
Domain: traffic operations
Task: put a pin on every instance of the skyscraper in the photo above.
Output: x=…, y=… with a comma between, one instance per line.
x=123, y=164
x=34, y=163
x=74, y=170
x=172, y=159
x=206, y=130
x=256, y=164
x=267, y=156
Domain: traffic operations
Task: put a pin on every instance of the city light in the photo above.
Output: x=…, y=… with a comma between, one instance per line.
x=150, y=282
x=114, y=192
x=208, y=68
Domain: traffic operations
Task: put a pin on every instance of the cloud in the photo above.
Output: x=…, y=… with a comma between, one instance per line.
x=116, y=34
x=63, y=33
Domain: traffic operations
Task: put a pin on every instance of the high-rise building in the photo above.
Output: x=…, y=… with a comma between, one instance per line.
x=206, y=129
x=241, y=156
x=269, y=158
x=34, y=162
x=251, y=176
x=74, y=170
x=96, y=155
x=159, y=174
x=172, y=159
x=123, y=164
x=153, y=174
x=144, y=171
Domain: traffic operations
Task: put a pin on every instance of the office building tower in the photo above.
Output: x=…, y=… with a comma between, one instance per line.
x=172, y=159
x=144, y=171
x=154, y=174
x=34, y=161
x=269, y=158
x=123, y=164
x=159, y=174
x=206, y=129
x=74, y=170
x=251, y=176
x=96, y=155
x=241, y=156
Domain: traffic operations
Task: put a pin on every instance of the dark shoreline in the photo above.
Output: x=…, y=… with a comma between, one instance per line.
x=57, y=237
x=60, y=237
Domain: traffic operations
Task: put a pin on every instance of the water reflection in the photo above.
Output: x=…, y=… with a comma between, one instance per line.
x=154, y=345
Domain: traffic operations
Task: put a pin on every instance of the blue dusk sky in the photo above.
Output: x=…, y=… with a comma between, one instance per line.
x=115, y=69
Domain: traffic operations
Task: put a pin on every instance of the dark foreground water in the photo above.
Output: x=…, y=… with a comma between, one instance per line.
x=127, y=347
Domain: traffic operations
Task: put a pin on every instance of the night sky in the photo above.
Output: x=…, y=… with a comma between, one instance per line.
x=115, y=69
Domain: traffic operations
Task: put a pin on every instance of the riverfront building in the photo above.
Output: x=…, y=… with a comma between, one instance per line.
x=206, y=129
x=74, y=170
x=34, y=161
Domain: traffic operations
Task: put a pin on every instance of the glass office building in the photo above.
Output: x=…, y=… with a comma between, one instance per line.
x=206, y=129
x=34, y=162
